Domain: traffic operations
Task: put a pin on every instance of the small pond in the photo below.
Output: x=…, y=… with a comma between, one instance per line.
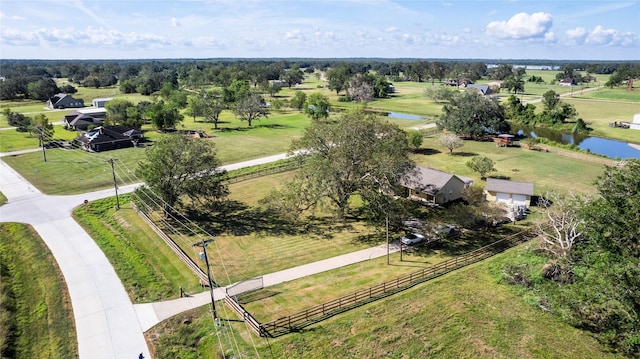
x=601, y=146
x=404, y=116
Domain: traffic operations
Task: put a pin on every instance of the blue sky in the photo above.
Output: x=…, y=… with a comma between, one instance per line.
x=510, y=29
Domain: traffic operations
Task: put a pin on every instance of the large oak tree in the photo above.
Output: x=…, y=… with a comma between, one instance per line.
x=177, y=167
x=471, y=114
x=357, y=153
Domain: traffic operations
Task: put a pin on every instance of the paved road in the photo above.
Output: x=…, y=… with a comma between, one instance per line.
x=106, y=322
x=153, y=313
x=108, y=325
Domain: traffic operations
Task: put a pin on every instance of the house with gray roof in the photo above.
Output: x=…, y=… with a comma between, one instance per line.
x=434, y=187
x=483, y=89
x=105, y=138
x=62, y=100
x=511, y=193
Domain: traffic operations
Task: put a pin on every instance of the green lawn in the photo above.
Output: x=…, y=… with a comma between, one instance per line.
x=464, y=314
x=12, y=140
x=36, y=318
x=548, y=171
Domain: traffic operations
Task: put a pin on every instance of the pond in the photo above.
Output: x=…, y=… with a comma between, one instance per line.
x=601, y=146
x=404, y=116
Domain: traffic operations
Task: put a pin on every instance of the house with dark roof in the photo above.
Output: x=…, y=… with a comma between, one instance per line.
x=511, y=193
x=105, y=138
x=434, y=187
x=62, y=100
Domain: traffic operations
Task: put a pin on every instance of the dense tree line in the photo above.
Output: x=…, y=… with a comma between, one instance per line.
x=148, y=76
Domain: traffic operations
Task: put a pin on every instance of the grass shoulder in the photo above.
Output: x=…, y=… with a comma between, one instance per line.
x=36, y=318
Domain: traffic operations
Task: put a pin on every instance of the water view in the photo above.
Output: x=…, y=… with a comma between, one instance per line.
x=598, y=145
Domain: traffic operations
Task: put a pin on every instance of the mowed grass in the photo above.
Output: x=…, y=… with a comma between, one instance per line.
x=548, y=171
x=12, y=140
x=36, y=318
x=250, y=242
x=598, y=113
x=148, y=268
x=464, y=314
x=295, y=296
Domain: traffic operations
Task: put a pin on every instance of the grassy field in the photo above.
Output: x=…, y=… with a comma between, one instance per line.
x=464, y=314
x=548, y=171
x=12, y=140
x=149, y=270
x=36, y=319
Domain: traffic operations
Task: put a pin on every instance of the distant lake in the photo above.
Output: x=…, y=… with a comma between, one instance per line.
x=598, y=145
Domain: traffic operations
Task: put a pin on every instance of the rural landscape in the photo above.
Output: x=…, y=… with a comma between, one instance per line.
x=235, y=199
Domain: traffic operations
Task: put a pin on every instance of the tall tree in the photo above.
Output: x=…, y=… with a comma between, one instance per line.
x=298, y=100
x=41, y=125
x=164, y=117
x=471, y=114
x=177, y=167
x=338, y=78
x=317, y=106
x=251, y=108
x=358, y=153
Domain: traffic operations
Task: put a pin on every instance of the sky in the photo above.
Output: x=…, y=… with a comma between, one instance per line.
x=478, y=29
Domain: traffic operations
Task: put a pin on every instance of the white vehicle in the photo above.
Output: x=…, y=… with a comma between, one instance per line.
x=412, y=238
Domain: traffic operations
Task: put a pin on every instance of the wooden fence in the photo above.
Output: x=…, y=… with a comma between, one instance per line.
x=297, y=321
x=249, y=320
x=174, y=247
x=285, y=167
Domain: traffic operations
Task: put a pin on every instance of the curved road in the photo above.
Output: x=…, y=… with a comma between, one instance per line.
x=108, y=325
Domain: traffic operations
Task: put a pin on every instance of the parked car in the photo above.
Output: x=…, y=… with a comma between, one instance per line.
x=445, y=230
x=412, y=238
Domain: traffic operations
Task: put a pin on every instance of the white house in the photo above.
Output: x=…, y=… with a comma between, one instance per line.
x=635, y=125
x=509, y=192
x=100, y=102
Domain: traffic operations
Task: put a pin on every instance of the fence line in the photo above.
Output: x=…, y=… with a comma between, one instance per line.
x=297, y=321
x=174, y=247
x=237, y=308
x=285, y=167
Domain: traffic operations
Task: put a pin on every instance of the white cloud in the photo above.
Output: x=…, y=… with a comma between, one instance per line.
x=294, y=35
x=175, y=22
x=600, y=36
x=521, y=26
x=577, y=35
x=5, y=17
x=391, y=29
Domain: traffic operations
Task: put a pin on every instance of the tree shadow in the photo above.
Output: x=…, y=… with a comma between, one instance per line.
x=273, y=126
x=238, y=219
x=427, y=151
x=232, y=129
x=465, y=154
x=502, y=177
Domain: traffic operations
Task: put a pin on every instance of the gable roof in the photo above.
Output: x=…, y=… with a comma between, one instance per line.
x=484, y=89
x=513, y=187
x=429, y=180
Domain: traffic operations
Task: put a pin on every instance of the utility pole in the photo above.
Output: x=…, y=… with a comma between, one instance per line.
x=203, y=244
x=387, y=225
x=115, y=184
x=44, y=153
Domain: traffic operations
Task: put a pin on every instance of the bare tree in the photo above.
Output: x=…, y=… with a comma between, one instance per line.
x=450, y=141
x=562, y=229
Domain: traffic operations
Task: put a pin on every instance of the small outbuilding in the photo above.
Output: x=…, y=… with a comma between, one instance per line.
x=511, y=193
x=100, y=102
x=433, y=187
x=635, y=125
